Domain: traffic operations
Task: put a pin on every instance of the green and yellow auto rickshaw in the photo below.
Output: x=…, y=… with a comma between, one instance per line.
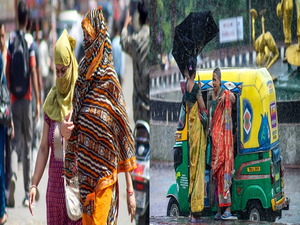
x=258, y=182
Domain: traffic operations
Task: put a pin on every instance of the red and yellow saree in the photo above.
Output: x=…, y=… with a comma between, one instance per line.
x=222, y=151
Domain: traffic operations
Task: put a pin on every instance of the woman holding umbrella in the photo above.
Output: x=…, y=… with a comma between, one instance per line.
x=197, y=139
x=191, y=36
x=222, y=144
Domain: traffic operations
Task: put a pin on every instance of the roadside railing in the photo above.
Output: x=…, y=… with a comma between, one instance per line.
x=164, y=110
x=171, y=77
x=168, y=111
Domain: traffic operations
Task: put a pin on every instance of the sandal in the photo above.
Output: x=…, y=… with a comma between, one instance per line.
x=217, y=217
x=226, y=215
x=195, y=220
x=4, y=215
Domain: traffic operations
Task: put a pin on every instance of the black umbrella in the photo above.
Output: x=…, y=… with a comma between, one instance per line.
x=191, y=36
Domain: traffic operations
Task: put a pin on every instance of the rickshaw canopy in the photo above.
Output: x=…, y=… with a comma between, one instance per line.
x=258, y=125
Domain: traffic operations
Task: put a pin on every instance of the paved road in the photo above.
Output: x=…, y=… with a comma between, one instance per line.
x=163, y=176
x=20, y=215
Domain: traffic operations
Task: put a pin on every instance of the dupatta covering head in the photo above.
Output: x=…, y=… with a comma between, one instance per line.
x=101, y=143
x=59, y=100
x=222, y=150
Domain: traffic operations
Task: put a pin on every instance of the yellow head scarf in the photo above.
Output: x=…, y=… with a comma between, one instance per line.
x=59, y=100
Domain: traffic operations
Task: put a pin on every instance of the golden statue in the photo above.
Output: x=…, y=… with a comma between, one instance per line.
x=264, y=45
x=285, y=10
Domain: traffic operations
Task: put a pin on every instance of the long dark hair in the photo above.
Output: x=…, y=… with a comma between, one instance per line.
x=143, y=11
x=191, y=65
x=22, y=12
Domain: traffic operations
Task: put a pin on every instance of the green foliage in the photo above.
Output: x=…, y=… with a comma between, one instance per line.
x=220, y=9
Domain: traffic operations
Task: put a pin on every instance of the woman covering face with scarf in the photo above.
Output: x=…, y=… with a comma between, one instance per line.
x=100, y=138
x=57, y=105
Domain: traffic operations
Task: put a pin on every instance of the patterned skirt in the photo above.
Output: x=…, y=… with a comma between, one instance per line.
x=106, y=206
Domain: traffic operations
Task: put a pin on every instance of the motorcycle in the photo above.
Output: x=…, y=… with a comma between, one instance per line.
x=141, y=175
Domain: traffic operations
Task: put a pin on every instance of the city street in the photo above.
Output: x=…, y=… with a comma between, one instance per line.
x=20, y=215
x=163, y=176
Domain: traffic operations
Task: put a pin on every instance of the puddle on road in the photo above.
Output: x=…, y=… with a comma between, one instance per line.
x=185, y=221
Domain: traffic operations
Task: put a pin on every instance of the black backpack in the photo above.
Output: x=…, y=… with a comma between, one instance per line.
x=19, y=68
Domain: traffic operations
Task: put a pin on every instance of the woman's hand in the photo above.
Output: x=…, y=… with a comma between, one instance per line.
x=232, y=97
x=199, y=82
x=209, y=131
x=131, y=205
x=222, y=100
x=128, y=19
x=32, y=195
x=13, y=130
x=66, y=127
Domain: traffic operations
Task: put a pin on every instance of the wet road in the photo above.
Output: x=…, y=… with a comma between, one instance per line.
x=184, y=220
x=163, y=176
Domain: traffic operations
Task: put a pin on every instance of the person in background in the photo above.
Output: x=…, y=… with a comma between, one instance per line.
x=8, y=130
x=36, y=135
x=99, y=131
x=3, y=47
x=137, y=46
x=57, y=104
x=21, y=107
x=45, y=63
x=118, y=54
x=3, y=214
x=164, y=62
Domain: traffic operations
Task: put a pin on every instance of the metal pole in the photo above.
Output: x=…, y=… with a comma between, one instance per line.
x=220, y=56
x=237, y=42
x=249, y=23
x=53, y=26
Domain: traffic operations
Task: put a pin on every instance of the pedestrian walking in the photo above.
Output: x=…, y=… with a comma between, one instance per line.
x=45, y=62
x=20, y=72
x=118, y=54
x=57, y=104
x=137, y=46
x=8, y=130
x=100, y=141
x=3, y=214
x=36, y=135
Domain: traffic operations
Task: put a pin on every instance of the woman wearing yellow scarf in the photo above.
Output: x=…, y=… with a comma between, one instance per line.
x=57, y=105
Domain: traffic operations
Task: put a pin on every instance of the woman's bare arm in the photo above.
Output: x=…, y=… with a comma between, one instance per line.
x=40, y=165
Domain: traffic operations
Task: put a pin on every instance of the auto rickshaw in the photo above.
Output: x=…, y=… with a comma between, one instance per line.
x=257, y=185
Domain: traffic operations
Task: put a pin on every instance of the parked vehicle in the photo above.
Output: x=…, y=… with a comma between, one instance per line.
x=141, y=175
x=257, y=186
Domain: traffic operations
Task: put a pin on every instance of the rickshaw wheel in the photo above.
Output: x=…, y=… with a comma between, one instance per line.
x=256, y=212
x=173, y=208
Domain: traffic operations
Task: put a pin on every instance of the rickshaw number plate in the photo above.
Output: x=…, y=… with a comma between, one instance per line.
x=140, y=198
x=253, y=169
x=277, y=177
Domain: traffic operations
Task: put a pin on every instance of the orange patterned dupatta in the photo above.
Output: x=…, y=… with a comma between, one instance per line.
x=222, y=151
x=101, y=144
